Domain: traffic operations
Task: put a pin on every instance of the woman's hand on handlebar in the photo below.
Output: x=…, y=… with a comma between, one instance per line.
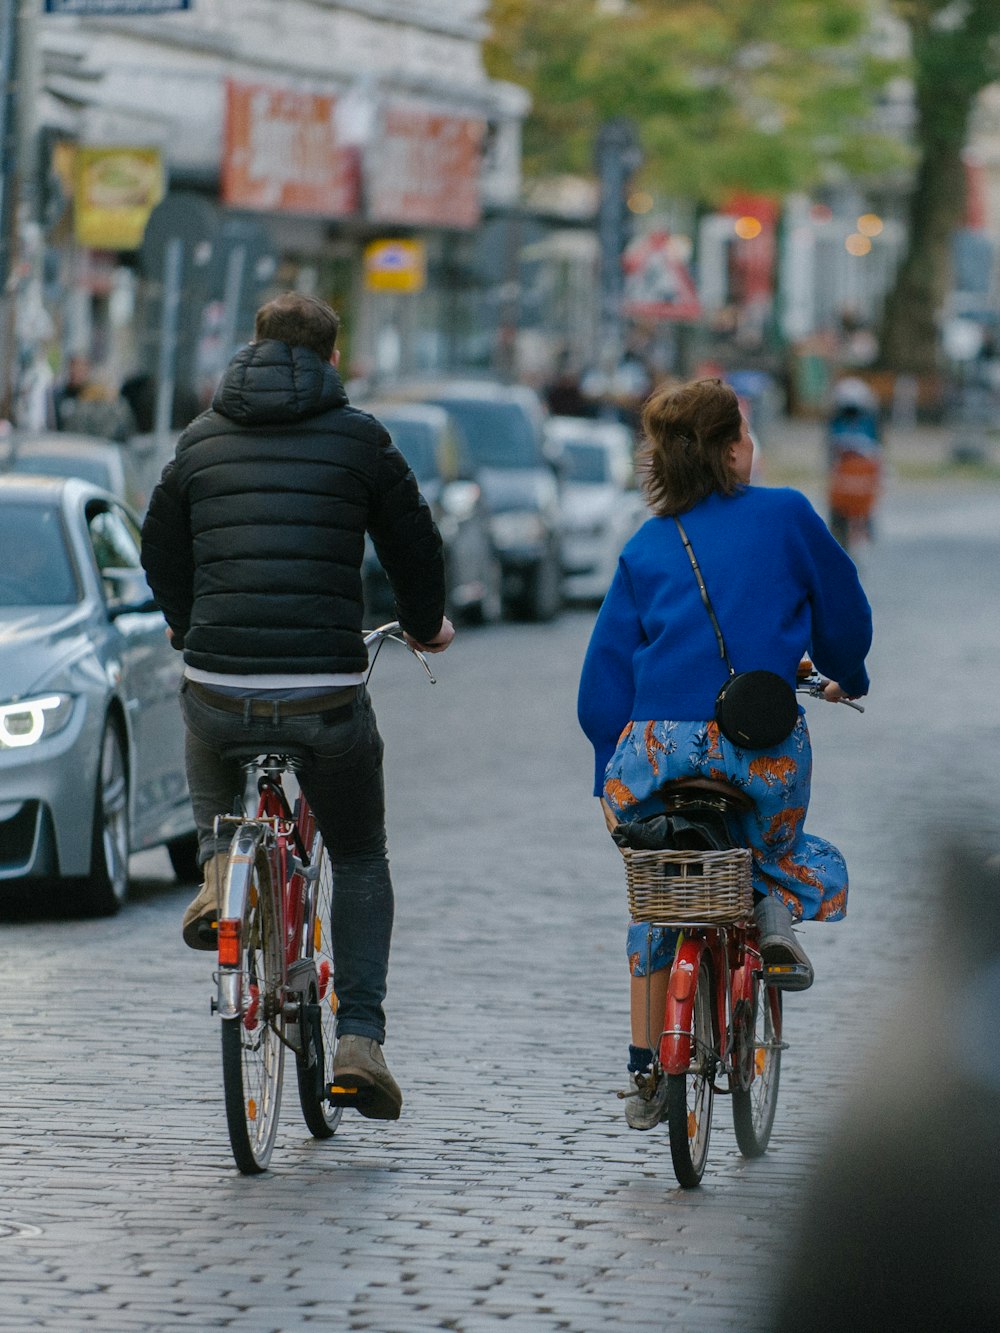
x=833, y=694
x=440, y=641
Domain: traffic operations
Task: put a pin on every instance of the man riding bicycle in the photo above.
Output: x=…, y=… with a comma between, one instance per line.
x=253, y=545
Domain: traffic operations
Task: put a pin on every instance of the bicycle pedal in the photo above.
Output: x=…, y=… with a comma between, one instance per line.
x=788, y=976
x=341, y=1096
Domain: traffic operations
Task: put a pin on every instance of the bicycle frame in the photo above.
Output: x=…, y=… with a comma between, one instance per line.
x=283, y=838
x=734, y=959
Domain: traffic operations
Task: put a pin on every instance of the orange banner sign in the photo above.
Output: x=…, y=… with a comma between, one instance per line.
x=425, y=169
x=281, y=153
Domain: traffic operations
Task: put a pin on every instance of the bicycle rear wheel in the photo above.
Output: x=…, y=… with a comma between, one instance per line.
x=759, y=1066
x=321, y=1118
x=253, y=1053
x=690, y=1096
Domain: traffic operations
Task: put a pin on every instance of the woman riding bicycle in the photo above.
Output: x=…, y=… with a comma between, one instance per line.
x=780, y=586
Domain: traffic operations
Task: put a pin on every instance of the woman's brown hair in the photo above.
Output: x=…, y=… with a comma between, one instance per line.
x=687, y=432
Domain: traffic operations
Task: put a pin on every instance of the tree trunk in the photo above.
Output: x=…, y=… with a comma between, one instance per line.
x=913, y=310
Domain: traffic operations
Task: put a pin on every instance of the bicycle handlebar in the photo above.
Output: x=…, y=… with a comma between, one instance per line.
x=812, y=683
x=393, y=630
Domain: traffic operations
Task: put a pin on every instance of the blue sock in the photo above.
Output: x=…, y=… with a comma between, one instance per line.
x=639, y=1059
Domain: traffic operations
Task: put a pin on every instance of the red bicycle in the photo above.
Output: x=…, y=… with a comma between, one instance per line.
x=722, y=1026
x=275, y=979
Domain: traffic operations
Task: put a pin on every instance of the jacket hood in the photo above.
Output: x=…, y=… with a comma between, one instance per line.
x=269, y=382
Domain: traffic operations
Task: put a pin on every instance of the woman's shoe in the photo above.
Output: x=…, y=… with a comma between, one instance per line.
x=786, y=963
x=645, y=1101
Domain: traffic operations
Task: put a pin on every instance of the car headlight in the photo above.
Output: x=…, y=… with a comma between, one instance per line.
x=521, y=528
x=27, y=721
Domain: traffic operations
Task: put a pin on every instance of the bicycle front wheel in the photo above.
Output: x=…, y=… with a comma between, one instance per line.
x=690, y=1096
x=253, y=1053
x=315, y=1066
x=755, y=1103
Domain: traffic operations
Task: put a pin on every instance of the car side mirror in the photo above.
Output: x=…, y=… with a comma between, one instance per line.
x=126, y=592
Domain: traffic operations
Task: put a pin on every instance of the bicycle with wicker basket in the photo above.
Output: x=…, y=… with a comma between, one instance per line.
x=721, y=1029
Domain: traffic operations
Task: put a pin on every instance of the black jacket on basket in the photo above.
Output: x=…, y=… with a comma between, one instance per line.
x=254, y=536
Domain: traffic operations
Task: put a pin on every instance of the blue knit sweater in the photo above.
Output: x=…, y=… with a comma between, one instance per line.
x=780, y=584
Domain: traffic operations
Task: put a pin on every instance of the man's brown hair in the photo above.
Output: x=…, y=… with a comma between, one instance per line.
x=300, y=321
x=688, y=430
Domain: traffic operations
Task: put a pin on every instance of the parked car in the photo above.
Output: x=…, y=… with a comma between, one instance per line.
x=103, y=463
x=601, y=504
x=91, y=742
x=503, y=429
x=436, y=453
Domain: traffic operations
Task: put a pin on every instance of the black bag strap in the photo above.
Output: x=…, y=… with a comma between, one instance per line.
x=704, y=595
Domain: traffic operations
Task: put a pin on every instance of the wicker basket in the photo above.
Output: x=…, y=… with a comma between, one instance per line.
x=680, y=888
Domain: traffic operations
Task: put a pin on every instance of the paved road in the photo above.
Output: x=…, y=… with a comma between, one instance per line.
x=511, y=1192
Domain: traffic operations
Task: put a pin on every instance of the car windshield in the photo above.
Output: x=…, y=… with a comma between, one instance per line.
x=497, y=434
x=35, y=567
x=58, y=465
x=416, y=442
x=587, y=463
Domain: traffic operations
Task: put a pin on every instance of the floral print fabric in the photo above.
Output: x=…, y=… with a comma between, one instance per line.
x=804, y=871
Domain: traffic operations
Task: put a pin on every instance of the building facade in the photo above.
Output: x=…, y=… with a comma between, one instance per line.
x=348, y=148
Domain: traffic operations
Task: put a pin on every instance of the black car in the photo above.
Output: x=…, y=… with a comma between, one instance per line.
x=502, y=426
x=428, y=440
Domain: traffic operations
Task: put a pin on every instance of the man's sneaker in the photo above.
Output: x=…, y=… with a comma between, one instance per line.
x=359, y=1063
x=780, y=948
x=645, y=1101
x=200, y=926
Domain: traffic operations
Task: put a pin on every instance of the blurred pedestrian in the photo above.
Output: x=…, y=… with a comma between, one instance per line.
x=85, y=406
x=854, y=460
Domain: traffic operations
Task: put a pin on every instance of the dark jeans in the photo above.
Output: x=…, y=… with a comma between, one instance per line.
x=341, y=777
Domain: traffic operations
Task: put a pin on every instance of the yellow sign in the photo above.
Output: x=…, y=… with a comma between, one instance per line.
x=395, y=266
x=116, y=189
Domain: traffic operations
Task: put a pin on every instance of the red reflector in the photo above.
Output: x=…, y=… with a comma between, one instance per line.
x=229, y=943
x=681, y=982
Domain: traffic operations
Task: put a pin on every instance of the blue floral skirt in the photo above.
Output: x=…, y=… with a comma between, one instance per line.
x=805, y=872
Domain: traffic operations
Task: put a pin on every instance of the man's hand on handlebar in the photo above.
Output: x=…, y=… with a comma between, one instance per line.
x=440, y=641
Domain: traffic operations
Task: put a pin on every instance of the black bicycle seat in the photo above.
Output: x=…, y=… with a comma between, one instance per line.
x=288, y=756
x=682, y=791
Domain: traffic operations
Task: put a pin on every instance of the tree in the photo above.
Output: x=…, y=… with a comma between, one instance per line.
x=727, y=95
x=956, y=53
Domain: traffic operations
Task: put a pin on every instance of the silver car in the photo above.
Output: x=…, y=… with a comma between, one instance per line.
x=91, y=740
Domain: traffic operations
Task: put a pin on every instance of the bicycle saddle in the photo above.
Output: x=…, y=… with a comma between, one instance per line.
x=288, y=756
x=683, y=790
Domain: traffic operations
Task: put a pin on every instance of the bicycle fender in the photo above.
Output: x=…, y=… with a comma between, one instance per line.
x=242, y=855
x=675, y=1041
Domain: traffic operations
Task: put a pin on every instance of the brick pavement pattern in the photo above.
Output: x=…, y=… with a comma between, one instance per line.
x=510, y=1193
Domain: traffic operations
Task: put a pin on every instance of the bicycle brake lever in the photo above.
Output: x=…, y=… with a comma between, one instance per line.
x=417, y=654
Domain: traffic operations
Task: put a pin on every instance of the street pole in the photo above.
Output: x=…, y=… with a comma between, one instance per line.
x=170, y=301
x=617, y=157
x=8, y=169
x=26, y=324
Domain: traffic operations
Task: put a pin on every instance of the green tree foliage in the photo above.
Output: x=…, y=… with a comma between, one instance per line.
x=726, y=94
x=956, y=53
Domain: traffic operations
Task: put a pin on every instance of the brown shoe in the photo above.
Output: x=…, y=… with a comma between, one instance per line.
x=200, y=926
x=359, y=1063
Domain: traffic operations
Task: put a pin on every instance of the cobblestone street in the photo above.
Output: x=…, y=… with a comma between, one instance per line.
x=511, y=1192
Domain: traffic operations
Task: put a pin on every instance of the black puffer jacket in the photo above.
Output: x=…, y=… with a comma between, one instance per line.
x=254, y=537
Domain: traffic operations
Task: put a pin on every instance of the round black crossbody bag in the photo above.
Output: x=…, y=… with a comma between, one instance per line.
x=754, y=709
